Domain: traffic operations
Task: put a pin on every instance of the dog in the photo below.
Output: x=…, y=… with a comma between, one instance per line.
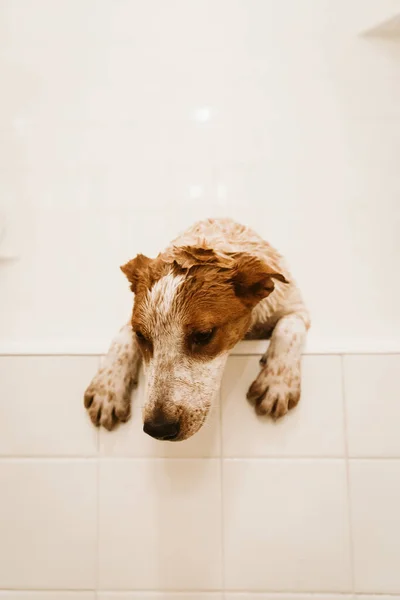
x=216, y=284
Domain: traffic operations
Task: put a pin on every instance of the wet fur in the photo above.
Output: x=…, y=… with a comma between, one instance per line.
x=221, y=275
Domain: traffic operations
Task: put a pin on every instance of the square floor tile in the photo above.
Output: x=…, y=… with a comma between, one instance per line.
x=375, y=502
x=48, y=524
x=160, y=524
x=372, y=392
x=286, y=525
x=41, y=406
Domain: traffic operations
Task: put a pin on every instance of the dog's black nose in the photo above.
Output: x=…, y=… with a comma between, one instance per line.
x=162, y=430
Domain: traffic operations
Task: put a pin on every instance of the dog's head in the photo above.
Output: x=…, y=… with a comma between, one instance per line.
x=192, y=305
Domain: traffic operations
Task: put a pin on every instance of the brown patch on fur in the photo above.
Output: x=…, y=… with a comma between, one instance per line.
x=207, y=301
x=253, y=279
x=142, y=272
x=136, y=270
x=219, y=292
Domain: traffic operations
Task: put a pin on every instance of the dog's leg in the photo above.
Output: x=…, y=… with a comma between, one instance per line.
x=108, y=397
x=277, y=387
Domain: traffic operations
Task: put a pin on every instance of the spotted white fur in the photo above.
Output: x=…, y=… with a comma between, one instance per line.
x=108, y=397
x=179, y=385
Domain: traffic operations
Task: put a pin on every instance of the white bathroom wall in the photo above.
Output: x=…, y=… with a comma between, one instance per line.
x=121, y=122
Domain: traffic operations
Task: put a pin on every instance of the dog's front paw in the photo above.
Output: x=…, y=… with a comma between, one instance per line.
x=276, y=389
x=107, y=400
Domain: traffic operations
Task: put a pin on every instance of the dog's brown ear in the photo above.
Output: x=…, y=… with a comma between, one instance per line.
x=136, y=270
x=253, y=280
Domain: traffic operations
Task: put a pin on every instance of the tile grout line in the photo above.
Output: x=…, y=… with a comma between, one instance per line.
x=10, y=458
x=221, y=479
x=346, y=442
x=97, y=557
x=159, y=592
x=152, y=593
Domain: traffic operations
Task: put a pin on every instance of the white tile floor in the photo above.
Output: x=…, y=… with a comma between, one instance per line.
x=168, y=531
x=373, y=408
x=264, y=512
x=48, y=524
x=286, y=525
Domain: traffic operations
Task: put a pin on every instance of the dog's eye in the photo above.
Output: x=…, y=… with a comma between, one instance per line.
x=201, y=338
x=140, y=336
